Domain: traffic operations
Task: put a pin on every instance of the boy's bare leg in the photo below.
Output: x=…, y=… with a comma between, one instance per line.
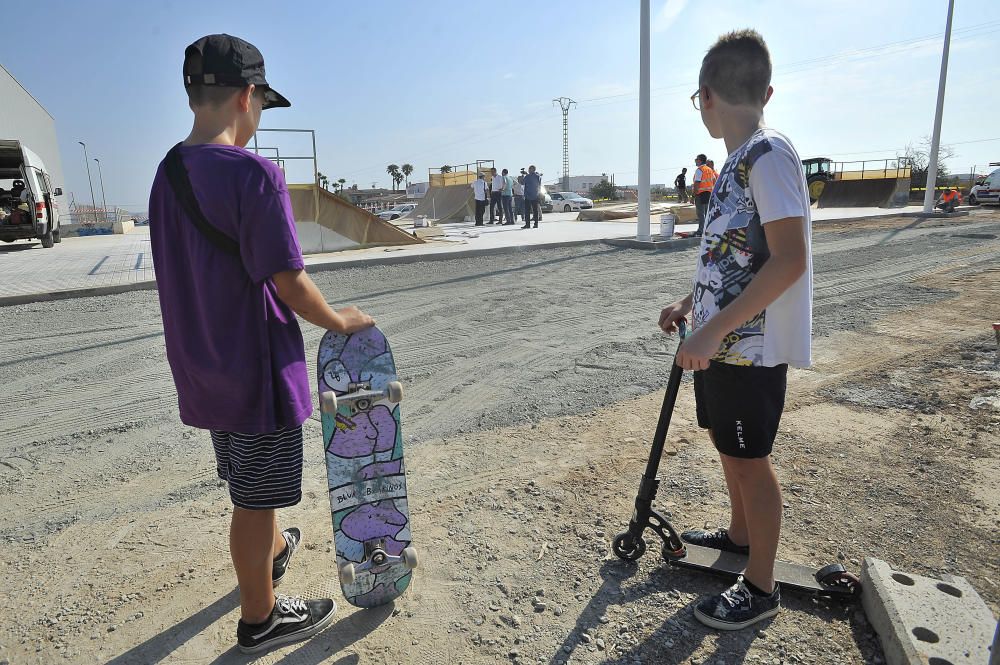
x=758, y=485
x=251, y=545
x=737, y=519
x=737, y=515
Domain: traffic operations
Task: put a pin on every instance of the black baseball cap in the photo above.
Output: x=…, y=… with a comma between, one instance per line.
x=228, y=61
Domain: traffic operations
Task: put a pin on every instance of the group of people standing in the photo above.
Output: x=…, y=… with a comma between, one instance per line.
x=705, y=176
x=508, y=197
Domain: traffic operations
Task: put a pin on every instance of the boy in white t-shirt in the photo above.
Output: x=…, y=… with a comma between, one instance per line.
x=751, y=313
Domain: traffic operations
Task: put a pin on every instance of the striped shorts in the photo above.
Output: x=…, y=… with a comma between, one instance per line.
x=264, y=471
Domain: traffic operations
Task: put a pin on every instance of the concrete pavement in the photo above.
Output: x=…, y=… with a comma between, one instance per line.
x=96, y=265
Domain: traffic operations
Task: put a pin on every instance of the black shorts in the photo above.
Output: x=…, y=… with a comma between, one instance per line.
x=741, y=405
x=263, y=470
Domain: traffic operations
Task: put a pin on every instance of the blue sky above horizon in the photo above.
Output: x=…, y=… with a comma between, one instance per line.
x=449, y=82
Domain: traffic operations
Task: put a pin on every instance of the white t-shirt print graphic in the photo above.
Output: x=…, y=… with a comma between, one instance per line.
x=761, y=181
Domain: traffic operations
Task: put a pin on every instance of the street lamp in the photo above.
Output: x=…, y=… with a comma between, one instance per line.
x=104, y=201
x=86, y=162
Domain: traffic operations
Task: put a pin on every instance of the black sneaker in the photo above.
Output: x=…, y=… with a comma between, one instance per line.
x=737, y=607
x=716, y=540
x=292, y=619
x=292, y=537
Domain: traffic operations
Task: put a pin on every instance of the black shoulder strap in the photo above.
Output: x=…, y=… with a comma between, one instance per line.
x=177, y=175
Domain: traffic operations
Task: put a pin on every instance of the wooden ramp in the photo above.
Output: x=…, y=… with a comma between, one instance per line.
x=327, y=223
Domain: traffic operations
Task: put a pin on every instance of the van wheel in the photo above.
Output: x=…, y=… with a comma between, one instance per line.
x=48, y=240
x=56, y=236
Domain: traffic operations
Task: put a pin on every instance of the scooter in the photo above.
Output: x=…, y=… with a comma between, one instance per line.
x=833, y=580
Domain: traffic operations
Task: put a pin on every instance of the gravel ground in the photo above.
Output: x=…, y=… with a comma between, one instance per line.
x=532, y=386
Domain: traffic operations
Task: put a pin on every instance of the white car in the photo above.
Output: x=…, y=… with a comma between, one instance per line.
x=987, y=190
x=397, y=211
x=567, y=201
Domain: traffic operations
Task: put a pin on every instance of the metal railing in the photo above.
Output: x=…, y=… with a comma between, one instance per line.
x=900, y=167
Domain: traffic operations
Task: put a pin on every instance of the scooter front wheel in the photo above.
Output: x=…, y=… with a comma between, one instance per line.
x=628, y=548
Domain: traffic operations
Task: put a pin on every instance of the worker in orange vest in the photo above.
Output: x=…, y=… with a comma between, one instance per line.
x=711, y=165
x=704, y=183
x=949, y=200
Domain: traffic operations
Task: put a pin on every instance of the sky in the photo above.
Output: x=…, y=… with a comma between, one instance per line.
x=449, y=82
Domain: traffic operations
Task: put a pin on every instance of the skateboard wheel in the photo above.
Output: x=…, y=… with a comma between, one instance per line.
x=395, y=391
x=328, y=402
x=347, y=573
x=410, y=557
x=673, y=555
x=625, y=547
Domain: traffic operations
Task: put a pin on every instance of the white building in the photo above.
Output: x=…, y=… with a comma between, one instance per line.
x=23, y=119
x=416, y=190
x=581, y=184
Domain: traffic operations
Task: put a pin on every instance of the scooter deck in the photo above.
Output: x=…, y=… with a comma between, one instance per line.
x=796, y=576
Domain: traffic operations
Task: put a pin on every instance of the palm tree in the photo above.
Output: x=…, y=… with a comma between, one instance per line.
x=341, y=183
x=445, y=169
x=407, y=169
x=393, y=171
x=320, y=178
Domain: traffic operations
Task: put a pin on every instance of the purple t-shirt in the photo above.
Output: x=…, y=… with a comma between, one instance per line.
x=234, y=348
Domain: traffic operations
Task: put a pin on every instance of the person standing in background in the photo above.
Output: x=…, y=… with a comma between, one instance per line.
x=496, y=194
x=680, y=183
x=480, y=192
x=532, y=188
x=507, y=197
x=519, y=196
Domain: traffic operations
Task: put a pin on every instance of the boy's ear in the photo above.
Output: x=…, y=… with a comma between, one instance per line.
x=767, y=95
x=244, y=97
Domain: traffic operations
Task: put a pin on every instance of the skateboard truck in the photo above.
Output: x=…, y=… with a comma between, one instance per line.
x=360, y=396
x=832, y=580
x=376, y=559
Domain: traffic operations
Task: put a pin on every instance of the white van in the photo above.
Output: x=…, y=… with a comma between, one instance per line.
x=28, y=209
x=987, y=190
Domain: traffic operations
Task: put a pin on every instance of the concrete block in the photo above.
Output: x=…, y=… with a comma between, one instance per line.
x=123, y=227
x=924, y=621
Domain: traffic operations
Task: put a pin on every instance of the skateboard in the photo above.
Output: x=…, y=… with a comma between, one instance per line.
x=359, y=401
x=832, y=581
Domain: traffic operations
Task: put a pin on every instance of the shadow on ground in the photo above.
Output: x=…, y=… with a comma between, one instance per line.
x=337, y=637
x=680, y=635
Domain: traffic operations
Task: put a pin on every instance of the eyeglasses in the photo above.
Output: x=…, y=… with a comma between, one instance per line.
x=696, y=100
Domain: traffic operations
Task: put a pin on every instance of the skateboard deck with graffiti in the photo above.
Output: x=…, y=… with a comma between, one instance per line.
x=359, y=401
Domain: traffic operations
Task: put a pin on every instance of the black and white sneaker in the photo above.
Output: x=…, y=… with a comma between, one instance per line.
x=292, y=619
x=716, y=540
x=292, y=537
x=737, y=607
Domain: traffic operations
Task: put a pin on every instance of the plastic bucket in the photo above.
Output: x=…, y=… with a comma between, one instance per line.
x=667, y=223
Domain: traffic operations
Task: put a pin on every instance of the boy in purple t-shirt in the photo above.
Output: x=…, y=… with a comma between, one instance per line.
x=233, y=342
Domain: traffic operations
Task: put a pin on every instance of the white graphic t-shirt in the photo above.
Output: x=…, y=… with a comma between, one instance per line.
x=762, y=181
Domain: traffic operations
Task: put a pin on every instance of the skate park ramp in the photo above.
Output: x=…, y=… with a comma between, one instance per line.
x=868, y=184
x=449, y=198
x=868, y=193
x=327, y=223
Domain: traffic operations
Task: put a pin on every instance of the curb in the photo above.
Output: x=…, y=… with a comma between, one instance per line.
x=67, y=294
